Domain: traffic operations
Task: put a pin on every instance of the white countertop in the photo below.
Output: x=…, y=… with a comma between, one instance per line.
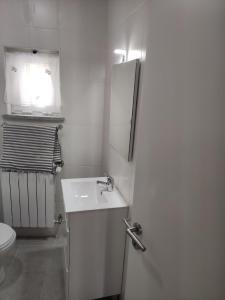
x=84, y=194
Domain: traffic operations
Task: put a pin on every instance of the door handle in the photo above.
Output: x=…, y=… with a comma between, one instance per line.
x=132, y=231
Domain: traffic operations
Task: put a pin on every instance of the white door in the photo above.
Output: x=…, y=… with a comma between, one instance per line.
x=179, y=192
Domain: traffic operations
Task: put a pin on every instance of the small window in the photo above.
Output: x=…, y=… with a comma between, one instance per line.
x=32, y=82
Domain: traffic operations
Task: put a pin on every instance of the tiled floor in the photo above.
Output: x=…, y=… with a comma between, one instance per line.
x=36, y=271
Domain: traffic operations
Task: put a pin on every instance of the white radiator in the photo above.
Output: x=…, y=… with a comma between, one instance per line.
x=28, y=199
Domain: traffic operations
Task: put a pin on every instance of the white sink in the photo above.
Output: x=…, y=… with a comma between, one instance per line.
x=84, y=194
x=96, y=235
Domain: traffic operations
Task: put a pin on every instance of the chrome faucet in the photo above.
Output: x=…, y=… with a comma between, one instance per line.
x=109, y=183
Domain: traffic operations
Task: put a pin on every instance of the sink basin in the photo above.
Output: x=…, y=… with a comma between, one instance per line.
x=84, y=194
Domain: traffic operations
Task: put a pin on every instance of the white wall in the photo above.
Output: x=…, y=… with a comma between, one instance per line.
x=126, y=30
x=77, y=28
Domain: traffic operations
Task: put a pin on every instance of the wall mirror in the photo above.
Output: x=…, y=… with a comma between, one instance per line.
x=123, y=106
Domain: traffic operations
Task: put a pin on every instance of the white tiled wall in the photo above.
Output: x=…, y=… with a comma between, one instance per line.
x=127, y=30
x=83, y=55
x=82, y=30
x=77, y=28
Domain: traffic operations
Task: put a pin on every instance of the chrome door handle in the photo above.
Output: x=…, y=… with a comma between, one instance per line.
x=132, y=231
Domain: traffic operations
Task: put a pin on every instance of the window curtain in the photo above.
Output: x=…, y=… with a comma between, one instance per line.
x=32, y=82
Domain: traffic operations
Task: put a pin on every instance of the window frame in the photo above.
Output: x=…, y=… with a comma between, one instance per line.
x=21, y=113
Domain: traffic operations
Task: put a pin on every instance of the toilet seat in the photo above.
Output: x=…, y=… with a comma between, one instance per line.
x=7, y=237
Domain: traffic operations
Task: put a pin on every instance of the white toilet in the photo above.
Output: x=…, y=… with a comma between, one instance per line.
x=7, y=240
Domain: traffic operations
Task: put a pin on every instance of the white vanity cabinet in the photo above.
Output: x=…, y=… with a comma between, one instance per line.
x=94, y=254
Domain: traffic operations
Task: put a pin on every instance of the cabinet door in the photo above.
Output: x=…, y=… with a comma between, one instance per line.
x=97, y=242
